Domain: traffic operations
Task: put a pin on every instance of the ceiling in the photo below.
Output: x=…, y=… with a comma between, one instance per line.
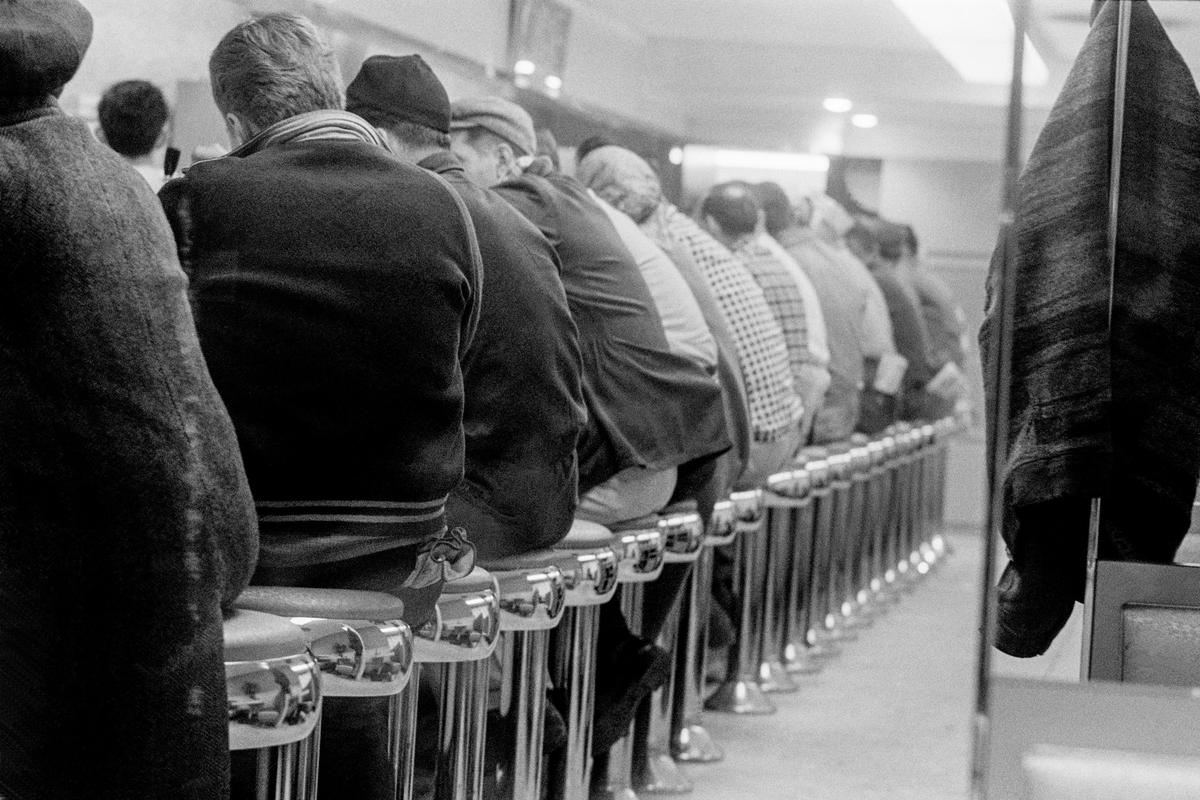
x=754, y=72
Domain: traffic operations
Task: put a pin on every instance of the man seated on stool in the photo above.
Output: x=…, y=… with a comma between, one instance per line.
x=336, y=289
x=650, y=411
x=523, y=410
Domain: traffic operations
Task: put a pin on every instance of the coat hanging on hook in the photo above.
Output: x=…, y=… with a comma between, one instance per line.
x=1093, y=412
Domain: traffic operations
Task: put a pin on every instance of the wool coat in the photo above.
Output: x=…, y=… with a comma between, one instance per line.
x=1101, y=408
x=125, y=517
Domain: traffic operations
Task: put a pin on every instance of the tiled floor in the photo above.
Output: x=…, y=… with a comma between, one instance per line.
x=889, y=718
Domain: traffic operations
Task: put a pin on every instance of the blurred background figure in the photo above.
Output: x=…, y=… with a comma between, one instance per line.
x=134, y=119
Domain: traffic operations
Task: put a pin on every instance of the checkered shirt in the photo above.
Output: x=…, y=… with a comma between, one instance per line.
x=775, y=407
x=783, y=297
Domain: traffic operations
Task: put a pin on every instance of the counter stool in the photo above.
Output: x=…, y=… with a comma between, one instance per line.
x=690, y=741
x=944, y=430
x=877, y=488
x=639, y=544
x=822, y=643
x=890, y=507
x=532, y=601
x=789, y=498
x=839, y=624
x=589, y=566
x=456, y=643
x=740, y=692
x=361, y=645
x=773, y=582
x=858, y=605
x=910, y=552
x=654, y=770
x=929, y=446
x=274, y=702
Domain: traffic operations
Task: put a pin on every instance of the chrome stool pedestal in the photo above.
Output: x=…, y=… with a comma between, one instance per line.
x=639, y=544
x=589, y=566
x=654, y=769
x=822, y=642
x=792, y=501
x=773, y=676
x=532, y=602
x=456, y=644
x=362, y=647
x=274, y=702
x=740, y=693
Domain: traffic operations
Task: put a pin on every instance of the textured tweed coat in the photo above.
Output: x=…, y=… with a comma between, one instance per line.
x=1099, y=412
x=125, y=517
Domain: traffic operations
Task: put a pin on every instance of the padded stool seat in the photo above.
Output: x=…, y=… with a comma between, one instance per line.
x=722, y=525
x=787, y=489
x=531, y=590
x=682, y=528
x=362, y=646
x=639, y=546
x=588, y=564
x=466, y=623
x=271, y=681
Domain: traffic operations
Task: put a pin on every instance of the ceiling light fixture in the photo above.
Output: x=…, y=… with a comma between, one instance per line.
x=553, y=83
x=976, y=37
x=675, y=156
x=524, y=67
x=864, y=120
x=757, y=159
x=837, y=105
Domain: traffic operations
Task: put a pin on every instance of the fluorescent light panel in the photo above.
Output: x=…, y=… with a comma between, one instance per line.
x=758, y=159
x=976, y=37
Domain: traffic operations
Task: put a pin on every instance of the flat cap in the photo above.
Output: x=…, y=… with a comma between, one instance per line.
x=502, y=117
x=41, y=45
x=399, y=89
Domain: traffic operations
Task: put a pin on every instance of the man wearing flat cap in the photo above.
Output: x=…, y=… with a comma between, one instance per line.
x=125, y=519
x=655, y=418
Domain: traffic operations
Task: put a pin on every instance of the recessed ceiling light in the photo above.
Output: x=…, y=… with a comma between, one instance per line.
x=524, y=67
x=676, y=155
x=553, y=83
x=838, y=105
x=864, y=120
x=755, y=159
x=976, y=37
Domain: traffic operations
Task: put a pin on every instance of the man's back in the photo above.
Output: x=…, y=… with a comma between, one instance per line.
x=126, y=519
x=651, y=408
x=334, y=295
x=524, y=407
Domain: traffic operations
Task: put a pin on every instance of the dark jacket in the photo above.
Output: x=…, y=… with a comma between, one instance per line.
x=647, y=407
x=125, y=517
x=335, y=290
x=912, y=341
x=1096, y=411
x=524, y=407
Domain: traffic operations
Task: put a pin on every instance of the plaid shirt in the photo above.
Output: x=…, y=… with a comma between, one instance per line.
x=783, y=297
x=775, y=406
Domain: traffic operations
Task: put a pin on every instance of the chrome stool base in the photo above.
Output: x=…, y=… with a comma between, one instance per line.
x=740, y=697
x=659, y=774
x=694, y=745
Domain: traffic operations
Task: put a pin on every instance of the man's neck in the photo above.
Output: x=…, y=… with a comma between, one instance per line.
x=152, y=159
x=413, y=154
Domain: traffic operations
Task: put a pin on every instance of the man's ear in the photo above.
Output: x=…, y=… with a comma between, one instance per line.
x=506, y=162
x=162, y=136
x=100, y=137
x=238, y=129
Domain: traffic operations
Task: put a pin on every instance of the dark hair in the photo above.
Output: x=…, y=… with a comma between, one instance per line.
x=733, y=206
x=891, y=238
x=776, y=207
x=864, y=237
x=591, y=143
x=275, y=67
x=910, y=239
x=132, y=116
x=412, y=134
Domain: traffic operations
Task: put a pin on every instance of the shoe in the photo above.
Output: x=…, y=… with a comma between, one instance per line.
x=1030, y=613
x=635, y=669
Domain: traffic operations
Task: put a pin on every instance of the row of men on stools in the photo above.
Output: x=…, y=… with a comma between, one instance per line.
x=409, y=344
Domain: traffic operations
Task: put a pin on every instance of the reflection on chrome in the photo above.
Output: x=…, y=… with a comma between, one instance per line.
x=463, y=627
x=641, y=555
x=749, y=510
x=531, y=599
x=722, y=526
x=589, y=577
x=272, y=702
x=351, y=652
x=683, y=535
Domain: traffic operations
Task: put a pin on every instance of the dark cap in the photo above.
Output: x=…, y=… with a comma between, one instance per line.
x=41, y=45
x=399, y=89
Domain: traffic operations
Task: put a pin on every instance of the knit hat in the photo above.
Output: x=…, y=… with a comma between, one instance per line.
x=41, y=45
x=399, y=89
x=623, y=179
x=495, y=114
